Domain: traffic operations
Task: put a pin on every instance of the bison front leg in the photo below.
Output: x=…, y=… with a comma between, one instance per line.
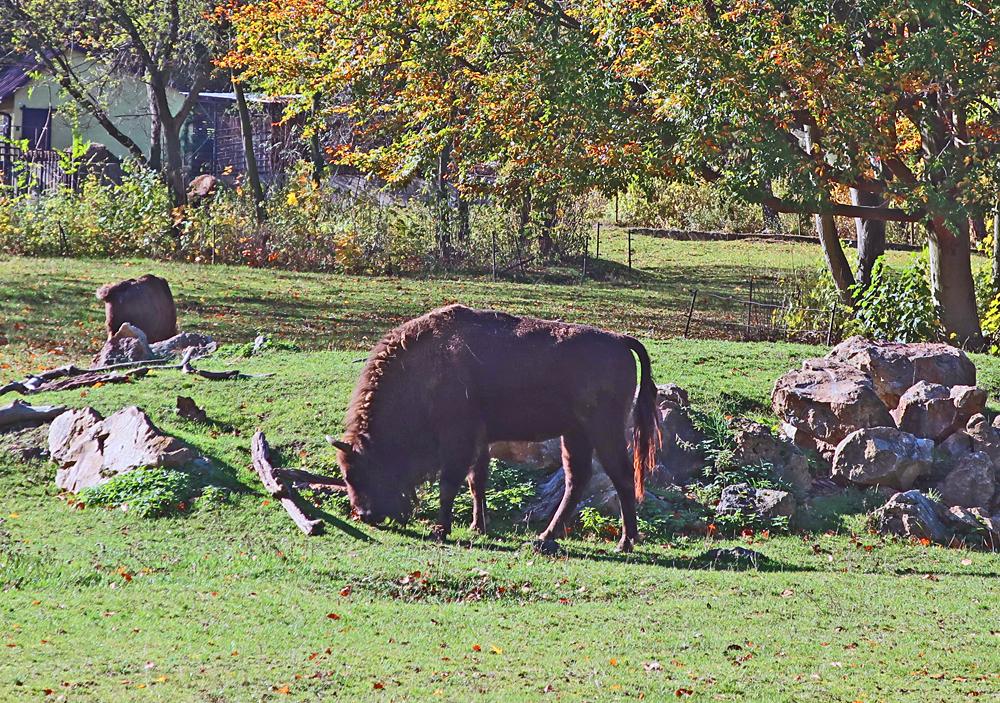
x=478, y=474
x=577, y=456
x=448, y=490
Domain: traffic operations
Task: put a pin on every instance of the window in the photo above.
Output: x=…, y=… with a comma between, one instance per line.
x=36, y=127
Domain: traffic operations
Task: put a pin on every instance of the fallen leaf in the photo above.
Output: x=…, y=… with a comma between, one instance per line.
x=476, y=648
x=333, y=616
x=682, y=692
x=378, y=685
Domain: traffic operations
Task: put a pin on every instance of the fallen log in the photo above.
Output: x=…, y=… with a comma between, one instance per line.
x=260, y=453
x=20, y=412
x=303, y=476
x=70, y=377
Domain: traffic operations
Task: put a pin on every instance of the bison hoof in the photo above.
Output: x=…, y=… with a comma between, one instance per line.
x=439, y=533
x=549, y=547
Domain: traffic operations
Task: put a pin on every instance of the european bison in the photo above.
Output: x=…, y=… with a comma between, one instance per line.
x=438, y=389
x=146, y=303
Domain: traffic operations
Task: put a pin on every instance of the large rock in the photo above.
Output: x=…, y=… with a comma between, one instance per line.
x=913, y=514
x=883, y=456
x=128, y=344
x=679, y=458
x=971, y=484
x=756, y=444
x=824, y=402
x=763, y=503
x=146, y=303
x=192, y=343
x=934, y=411
x=984, y=437
x=90, y=451
x=895, y=367
x=541, y=455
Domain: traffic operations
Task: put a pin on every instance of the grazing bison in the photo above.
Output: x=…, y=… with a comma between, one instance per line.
x=145, y=302
x=438, y=389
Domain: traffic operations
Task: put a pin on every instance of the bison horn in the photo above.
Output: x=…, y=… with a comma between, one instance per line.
x=342, y=446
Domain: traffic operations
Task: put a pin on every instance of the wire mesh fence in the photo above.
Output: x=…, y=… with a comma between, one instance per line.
x=767, y=311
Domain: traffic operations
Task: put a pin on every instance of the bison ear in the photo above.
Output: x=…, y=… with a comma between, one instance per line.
x=342, y=446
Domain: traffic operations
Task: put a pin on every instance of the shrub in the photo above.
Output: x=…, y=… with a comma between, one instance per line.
x=147, y=492
x=695, y=206
x=898, y=305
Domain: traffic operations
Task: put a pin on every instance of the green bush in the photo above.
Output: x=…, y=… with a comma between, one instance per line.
x=98, y=221
x=898, y=305
x=508, y=492
x=695, y=206
x=146, y=492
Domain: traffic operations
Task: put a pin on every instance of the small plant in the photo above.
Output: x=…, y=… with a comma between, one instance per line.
x=508, y=491
x=147, y=492
x=593, y=524
x=213, y=496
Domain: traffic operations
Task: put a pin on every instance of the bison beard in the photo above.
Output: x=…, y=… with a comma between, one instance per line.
x=436, y=391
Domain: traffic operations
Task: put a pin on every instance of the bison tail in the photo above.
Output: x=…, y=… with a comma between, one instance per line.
x=646, y=429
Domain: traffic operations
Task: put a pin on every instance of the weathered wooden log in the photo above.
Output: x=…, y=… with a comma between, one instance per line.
x=260, y=452
x=303, y=476
x=20, y=412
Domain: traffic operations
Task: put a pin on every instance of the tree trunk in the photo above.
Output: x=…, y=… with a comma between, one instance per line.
x=772, y=223
x=155, y=131
x=173, y=174
x=836, y=261
x=951, y=281
x=545, y=240
x=871, y=236
x=524, y=218
x=464, y=227
x=246, y=130
x=443, y=204
x=315, y=152
x=996, y=249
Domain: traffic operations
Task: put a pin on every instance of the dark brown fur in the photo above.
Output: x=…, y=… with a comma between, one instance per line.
x=438, y=389
x=145, y=302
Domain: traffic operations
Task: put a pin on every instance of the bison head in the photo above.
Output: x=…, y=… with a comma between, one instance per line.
x=375, y=492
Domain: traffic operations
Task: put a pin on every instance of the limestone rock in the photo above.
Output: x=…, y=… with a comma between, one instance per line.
x=912, y=514
x=824, y=402
x=678, y=459
x=762, y=502
x=895, y=367
x=984, y=437
x=883, y=456
x=934, y=411
x=127, y=344
x=89, y=451
x=971, y=484
x=199, y=344
x=756, y=444
x=541, y=455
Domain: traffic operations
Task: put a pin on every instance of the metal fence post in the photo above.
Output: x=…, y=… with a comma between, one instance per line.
x=694, y=297
x=829, y=329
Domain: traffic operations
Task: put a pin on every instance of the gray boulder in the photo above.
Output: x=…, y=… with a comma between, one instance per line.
x=971, y=484
x=824, y=402
x=756, y=444
x=90, y=451
x=679, y=459
x=197, y=345
x=765, y=503
x=895, y=367
x=883, y=456
x=128, y=344
x=912, y=514
x=935, y=411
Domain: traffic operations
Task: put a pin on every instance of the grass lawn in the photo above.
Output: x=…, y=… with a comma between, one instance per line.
x=232, y=603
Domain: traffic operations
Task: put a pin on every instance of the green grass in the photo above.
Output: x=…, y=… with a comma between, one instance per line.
x=48, y=312
x=231, y=603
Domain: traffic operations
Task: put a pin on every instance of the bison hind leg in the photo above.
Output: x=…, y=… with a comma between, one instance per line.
x=478, y=473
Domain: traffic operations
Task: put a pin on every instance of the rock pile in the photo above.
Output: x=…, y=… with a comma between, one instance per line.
x=899, y=417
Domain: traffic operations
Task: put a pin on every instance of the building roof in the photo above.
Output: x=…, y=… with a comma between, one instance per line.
x=14, y=73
